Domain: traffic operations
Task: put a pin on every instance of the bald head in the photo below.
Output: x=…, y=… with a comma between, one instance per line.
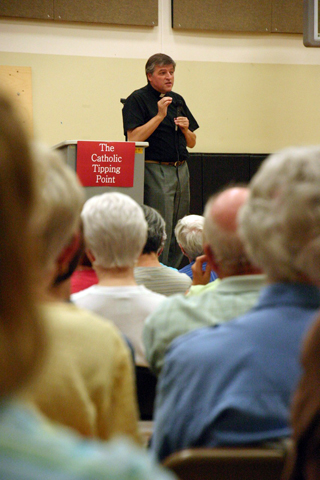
x=222, y=243
x=225, y=206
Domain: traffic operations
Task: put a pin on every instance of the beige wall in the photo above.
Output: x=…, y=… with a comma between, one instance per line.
x=241, y=107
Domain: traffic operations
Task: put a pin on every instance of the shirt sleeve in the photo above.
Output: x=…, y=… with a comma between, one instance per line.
x=160, y=328
x=133, y=113
x=193, y=124
x=175, y=317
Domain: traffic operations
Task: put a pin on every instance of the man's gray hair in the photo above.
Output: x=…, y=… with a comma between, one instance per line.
x=228, y=248
x=189, y=234
x=156, y=230
x=280, y=222
x=60, y=198
x=115, y=229
x=158, y=59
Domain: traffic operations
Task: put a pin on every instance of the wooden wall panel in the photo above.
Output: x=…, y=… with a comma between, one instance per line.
x=125, y=12
x=42, y=9
x=222, y=15
x=121, y=12
x=281, y=16
x=287, y=16
x=18, y=81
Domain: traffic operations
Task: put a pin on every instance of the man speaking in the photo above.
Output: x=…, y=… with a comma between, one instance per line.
x=161, y=117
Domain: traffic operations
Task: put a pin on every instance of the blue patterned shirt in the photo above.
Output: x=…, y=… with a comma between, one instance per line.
x=32, y=449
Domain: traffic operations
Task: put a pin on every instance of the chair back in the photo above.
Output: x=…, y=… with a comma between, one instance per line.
x=228, y=463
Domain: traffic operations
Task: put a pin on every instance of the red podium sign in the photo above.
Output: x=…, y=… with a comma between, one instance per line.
x=105, y=163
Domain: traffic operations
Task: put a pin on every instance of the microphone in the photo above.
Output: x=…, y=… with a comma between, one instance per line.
x=179, y=110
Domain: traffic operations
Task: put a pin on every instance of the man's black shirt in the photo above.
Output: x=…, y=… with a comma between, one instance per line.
x=166, y=143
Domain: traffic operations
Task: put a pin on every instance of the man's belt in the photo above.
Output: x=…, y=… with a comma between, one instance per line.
x=172, y=164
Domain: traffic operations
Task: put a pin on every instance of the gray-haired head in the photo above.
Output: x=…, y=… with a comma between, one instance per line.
x=115, y=229
x=280, y=222
x=156, y=230
x=158, y=59
x=189, y=235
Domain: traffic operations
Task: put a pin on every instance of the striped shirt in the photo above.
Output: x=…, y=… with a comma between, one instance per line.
x=164, y=280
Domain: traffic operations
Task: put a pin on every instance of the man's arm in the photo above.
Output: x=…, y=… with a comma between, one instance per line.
x=200, y=276
x=190, y=138
x=158, y=332
x=142, y=133
x=183, y=123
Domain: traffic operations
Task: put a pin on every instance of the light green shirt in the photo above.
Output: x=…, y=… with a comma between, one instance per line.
x=200, y=289
x=179, y=314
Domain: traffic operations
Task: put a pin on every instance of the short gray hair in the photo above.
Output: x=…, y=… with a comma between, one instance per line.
x=115, y=229
x=189, y=234
x=156, y=230
x=227, y=246
x=280, y=222
x=60, y=198
x=158, y=59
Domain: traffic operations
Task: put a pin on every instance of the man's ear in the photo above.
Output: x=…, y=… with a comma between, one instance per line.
x=182, y=250
x=211, y=258
x=90, y=255
x=69, y=251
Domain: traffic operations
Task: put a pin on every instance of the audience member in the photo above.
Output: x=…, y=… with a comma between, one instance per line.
x=149, y=271
x=115, y=232
x=61, y=287
x=232, y=384
x=304, y=461
x=31, y=447
x=189, y=235
x=66, y=391
x=237, y=291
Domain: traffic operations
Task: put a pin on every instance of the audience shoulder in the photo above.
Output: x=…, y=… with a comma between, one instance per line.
x=88, y=324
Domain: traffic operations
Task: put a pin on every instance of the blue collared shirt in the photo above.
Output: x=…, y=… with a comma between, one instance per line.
x=188, y=270
x=232, y=384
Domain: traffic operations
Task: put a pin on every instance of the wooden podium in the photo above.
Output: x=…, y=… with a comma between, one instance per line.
x=95, y=163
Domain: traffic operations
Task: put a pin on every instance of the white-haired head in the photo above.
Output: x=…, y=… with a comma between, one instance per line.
x=115, y=229
x=60, y=198
x=189, y=235
x=280, y=222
